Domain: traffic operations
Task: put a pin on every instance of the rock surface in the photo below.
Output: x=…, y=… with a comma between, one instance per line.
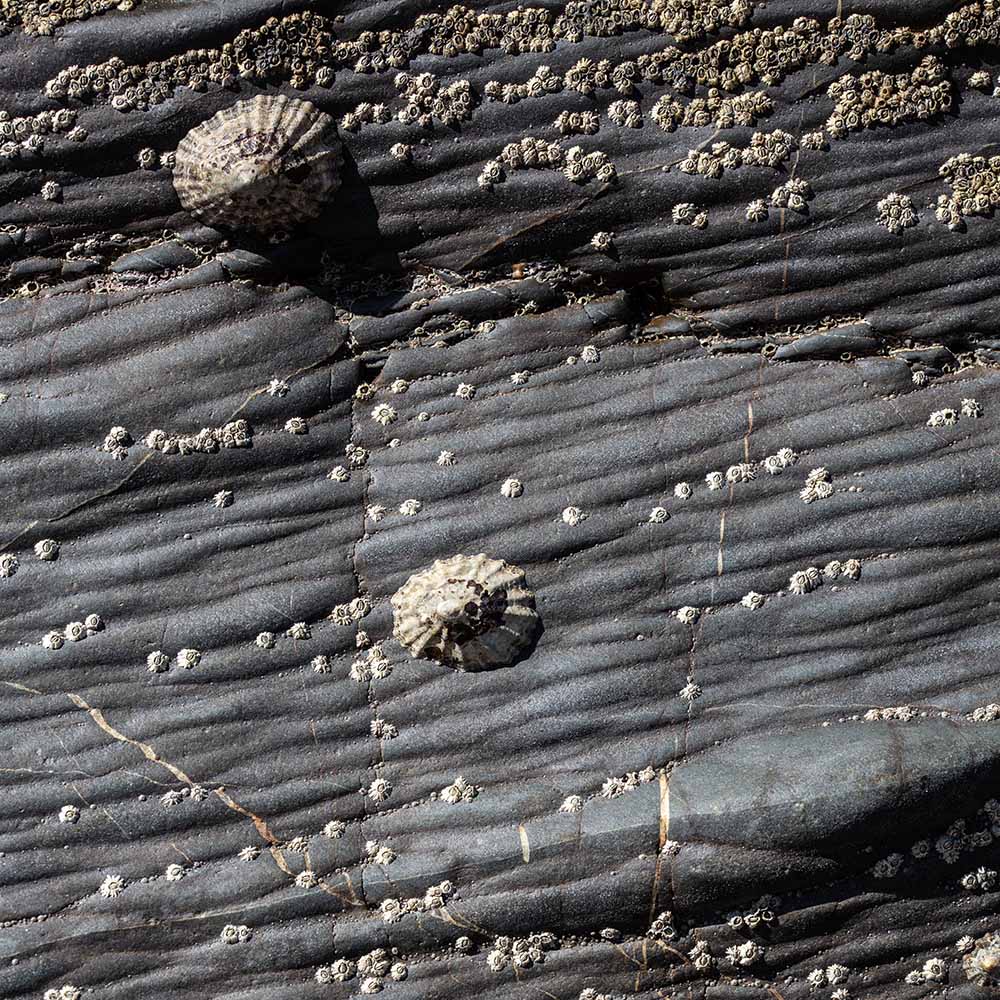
x=748, y=468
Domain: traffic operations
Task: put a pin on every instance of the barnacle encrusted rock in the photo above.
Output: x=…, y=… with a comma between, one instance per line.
x=982, y=965
x=471, y=612
x=267, y=164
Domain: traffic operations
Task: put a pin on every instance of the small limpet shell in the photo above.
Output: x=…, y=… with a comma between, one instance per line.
x=470, y=612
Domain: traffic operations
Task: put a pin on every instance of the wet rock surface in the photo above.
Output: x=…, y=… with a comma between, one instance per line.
x=729, y=412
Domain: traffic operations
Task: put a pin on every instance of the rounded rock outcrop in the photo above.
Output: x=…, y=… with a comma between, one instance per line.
x=469, y=612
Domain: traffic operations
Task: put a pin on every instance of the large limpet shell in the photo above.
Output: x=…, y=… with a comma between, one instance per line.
x=470, y=612
x=265, y=164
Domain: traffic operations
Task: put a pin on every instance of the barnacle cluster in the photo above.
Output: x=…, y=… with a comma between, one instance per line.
x=975, y=188
x=42, y=17
x=878, y=98
x=236, y=434
x=533, y=153
x=73, y=632
x=766, y=149
x=713, y=109
x=578, y=122
x=374, y=968
x=426, y=100
x=435, y=897
x=982, y=963
x=522, y=953
x=65, y=992
x=794, y=194
x=897, y=212
x=25, y=135
x=614, y=787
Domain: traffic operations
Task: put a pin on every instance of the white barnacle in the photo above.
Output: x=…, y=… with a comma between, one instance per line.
x=306, y=879
x=688, y=615
x=338, y=474
x=391, y=910
x=399, y=385
x=757, y=210
x=296, y=425
x=93, y=623
x=972, y=408
x=852, y=569
x=715, y=480
x=53, y=640
x=9, y=564
x=590, y=354
x=372, y=984
x=571, y=804
x=157, y=662
x=223, y=498
x=773, y=465
x=573, y=516
x=398, y=972
x=47, y=549
x=833, y=569
x=170, y=798
x=799, y=582
x=658, y=515
x=384, y=414
x=277, y=387
x=690, y=691
x=752, y=600
x=602, y=241
x=250, y=853
x=816, y=979
x=265, y=640
x=511, y=488
x=69, y=814
x=188, y=658
x=375, y=512
x=299, y=630
x=175, y=872
x=683, y=491
x=935, y=969
x=113, y=885
x=837, y=975
x=520, y=378
x=334, y=830
x=379, y=790
x=446, y=458
x=75, y=631
x=465, y=390
x=410, y=508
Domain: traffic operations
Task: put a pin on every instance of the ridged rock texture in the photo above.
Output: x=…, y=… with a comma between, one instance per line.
x=547, y=548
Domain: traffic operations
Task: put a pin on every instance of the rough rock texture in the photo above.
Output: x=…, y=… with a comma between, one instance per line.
x=754, y=751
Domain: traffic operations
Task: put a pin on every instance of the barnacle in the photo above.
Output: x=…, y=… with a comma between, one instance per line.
x=265, y=164
x=470, y=612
